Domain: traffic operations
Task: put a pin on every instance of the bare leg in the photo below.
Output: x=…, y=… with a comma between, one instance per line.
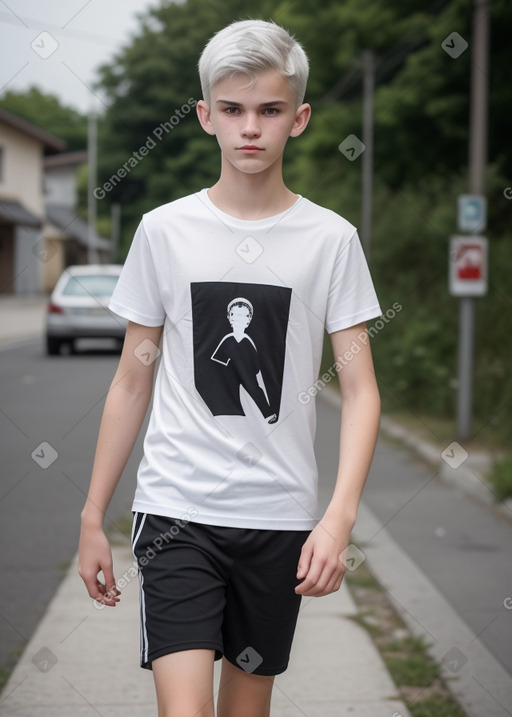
x=242, y=693
x=184, y=684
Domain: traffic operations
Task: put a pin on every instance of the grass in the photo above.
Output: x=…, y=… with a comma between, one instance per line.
x=5, y=672
x=436, y=706
x=361, y=579
x=500, y=478
x=411, y=644
x=4, y=676
x=366, y=620
x=417, y=676
x=413, y=666
x=413, y=670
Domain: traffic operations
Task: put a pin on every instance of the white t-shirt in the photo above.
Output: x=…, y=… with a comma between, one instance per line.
x=244, y=305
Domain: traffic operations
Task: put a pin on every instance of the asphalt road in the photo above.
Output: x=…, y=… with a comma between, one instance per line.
x=49, y=418
x=461, y=545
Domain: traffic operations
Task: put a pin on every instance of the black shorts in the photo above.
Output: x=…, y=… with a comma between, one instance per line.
x=227, y=589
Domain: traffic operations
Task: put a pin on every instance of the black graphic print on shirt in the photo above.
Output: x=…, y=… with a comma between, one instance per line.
x=239, y=333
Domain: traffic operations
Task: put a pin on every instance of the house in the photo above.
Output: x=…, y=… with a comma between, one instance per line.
x=40, y=230
x=66, y=233
x=22, y=214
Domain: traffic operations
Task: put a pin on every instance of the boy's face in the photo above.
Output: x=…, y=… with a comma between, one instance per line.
x=239, y=317
x=252, y=122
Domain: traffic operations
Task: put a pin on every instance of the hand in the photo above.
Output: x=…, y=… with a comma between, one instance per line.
x=94, y=555
x=320, y=566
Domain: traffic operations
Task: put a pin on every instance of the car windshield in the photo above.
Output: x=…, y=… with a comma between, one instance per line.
x=90, y=285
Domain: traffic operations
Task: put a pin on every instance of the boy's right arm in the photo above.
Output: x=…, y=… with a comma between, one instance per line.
x=125, y=407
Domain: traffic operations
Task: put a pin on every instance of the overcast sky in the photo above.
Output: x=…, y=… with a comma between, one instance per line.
x=58, y=44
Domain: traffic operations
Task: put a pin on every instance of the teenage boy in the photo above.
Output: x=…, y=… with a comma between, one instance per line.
x=226, y=531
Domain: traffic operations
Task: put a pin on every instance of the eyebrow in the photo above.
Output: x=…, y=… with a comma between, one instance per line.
x=263, y=104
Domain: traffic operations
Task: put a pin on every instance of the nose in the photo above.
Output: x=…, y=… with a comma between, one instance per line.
x=251, y=127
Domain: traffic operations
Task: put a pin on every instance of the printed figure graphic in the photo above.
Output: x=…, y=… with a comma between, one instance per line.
x=238, y=353
x=240, y=370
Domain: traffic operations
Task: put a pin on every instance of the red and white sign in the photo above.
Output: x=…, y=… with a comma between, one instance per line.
x=468, y=266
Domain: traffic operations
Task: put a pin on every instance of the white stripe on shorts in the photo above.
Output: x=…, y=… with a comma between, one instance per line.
x=136, y=537
x=143, y=630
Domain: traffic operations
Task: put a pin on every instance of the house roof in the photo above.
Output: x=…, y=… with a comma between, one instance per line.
x=65, y=159
x=14, y=212
x=70, y=224
x=50, y=141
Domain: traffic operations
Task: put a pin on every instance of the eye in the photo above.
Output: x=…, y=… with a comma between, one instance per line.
x=271, y=111
x=231, y=110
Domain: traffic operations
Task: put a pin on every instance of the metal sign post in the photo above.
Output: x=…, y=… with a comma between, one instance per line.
x=472, y=208
x=92, y=159
x=468, y=278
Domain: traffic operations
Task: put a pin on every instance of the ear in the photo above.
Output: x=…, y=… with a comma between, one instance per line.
x=203, y=114
x=302, y=116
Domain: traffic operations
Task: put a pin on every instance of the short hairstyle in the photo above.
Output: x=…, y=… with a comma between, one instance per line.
x=241, y=303
x=251, y=47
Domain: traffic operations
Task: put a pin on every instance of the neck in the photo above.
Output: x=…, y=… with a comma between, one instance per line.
x=251, y=196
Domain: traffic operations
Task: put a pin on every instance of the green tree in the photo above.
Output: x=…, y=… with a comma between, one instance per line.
x=46, y=111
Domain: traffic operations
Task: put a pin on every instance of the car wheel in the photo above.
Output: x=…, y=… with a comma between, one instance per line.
x=53, y=346
x=68, y=347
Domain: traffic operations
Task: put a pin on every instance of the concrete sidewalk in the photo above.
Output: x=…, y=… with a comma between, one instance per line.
x=21, y=317
x=83, y=661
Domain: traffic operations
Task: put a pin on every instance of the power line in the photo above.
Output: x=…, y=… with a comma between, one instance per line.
x=33, y=23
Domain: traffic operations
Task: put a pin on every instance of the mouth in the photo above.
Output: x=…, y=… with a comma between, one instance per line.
x=250, y=149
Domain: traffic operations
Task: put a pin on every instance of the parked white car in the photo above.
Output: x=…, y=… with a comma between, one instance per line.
x=78, y=307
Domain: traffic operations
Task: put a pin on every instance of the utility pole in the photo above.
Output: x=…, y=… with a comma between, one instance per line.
x=92, y=154
x=477, y=167
x=368, y=62
x=115, y=233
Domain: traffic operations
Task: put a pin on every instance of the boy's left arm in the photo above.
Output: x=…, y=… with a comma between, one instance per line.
x=320, y=566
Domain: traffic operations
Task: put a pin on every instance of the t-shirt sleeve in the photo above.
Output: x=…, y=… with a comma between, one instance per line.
x=137, y=294
x=352, y=298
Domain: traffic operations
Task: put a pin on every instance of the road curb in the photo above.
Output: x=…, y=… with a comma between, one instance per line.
x=469, y=475
x=475, y=678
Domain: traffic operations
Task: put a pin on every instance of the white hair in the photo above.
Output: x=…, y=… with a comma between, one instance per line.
x=251, y=47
